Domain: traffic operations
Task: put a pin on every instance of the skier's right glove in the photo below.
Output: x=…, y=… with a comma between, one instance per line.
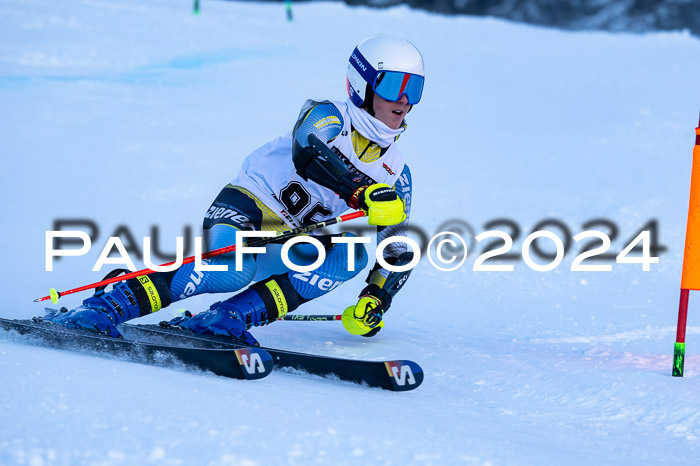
x=381, y=204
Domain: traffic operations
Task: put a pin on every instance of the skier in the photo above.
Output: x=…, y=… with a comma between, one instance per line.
x=339, y=155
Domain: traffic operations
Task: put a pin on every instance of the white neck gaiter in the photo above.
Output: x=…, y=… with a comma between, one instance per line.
x=372, y=128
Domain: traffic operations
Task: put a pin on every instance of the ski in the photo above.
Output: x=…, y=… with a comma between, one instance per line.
x=396, y=375
x=235, y=362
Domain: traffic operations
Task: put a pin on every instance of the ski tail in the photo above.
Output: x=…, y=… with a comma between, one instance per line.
x=246, y=363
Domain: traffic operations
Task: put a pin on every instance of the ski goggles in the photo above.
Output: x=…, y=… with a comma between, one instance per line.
x=389, y=85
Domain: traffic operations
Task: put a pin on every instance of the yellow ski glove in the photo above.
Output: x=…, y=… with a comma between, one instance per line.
x=365, y=317
x=381, y=204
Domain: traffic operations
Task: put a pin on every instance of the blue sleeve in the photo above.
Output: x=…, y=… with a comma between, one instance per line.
x=313, y=159
x=324, y=120
x=403, y=190
x=389, y=281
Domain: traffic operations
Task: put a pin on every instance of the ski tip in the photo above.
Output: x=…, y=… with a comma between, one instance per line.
x=404, y=375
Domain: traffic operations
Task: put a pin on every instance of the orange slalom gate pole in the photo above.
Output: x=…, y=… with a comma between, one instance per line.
x=690, y=278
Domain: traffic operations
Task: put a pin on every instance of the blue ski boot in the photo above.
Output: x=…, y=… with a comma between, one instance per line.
x=258, y=305
x=104, y=311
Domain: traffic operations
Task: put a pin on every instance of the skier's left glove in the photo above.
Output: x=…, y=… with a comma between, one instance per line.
x=365, y=317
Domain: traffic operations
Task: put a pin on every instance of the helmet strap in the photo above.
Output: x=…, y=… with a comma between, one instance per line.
x=367, y=104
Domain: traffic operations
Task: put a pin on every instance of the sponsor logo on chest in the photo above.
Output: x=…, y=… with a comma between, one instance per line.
x=352, y=168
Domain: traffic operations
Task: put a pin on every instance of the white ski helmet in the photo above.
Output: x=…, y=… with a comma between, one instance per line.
x=388, y=65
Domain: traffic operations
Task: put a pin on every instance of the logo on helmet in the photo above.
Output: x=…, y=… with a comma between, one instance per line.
x=359, y=63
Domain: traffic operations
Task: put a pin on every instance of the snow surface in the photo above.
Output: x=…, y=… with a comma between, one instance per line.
x=137, y=113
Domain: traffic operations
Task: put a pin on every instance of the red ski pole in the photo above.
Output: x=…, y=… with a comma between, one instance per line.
x=283, y=235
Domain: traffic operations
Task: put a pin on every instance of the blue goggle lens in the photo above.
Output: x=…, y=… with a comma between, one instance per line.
x=391, y=85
